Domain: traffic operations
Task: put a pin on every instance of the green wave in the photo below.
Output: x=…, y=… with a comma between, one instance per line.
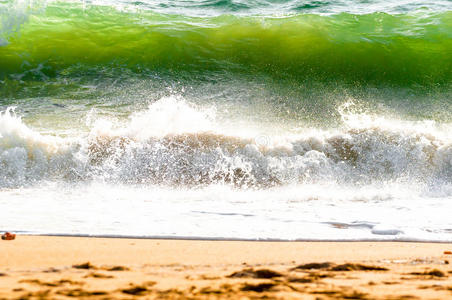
x=68, y=39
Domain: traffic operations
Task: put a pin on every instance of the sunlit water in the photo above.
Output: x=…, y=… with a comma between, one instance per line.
x=287, y=120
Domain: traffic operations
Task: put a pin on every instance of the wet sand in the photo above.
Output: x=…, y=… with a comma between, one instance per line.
x=45, y=267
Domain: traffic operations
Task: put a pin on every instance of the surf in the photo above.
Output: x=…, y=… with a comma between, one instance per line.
x=366, y=150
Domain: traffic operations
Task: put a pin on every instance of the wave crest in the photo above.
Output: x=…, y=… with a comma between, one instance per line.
x=405, y=49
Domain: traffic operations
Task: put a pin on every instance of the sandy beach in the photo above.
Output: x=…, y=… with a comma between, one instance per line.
x=46, y=267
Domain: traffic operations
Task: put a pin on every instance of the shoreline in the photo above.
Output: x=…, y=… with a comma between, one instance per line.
x=61, y=267
x=228, y=239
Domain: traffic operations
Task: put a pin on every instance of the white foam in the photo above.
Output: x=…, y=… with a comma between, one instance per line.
x=168, y=116
x=311, y=212
x=27, y=157
x=175, y=142
x=177, y=172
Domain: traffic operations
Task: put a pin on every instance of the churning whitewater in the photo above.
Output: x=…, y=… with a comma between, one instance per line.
x=293, y=120
x=174, y=144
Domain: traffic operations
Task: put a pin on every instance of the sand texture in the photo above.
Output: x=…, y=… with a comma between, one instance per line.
x=42, y=267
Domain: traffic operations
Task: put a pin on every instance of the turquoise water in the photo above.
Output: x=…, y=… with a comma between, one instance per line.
x=73, y=40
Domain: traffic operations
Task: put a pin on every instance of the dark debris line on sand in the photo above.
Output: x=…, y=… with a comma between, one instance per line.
x=116, y=268
x=313, y=266
x=432, y=273
x=259, y=287
x=84, y=266
x=250, y=273
x=89, y=266
x=138, y=289
x=343, y=267
x=357, y=267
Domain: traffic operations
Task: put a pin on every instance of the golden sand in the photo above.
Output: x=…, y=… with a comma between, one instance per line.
x=42, y=267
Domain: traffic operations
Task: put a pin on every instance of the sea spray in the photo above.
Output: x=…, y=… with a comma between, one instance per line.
x=173, y=143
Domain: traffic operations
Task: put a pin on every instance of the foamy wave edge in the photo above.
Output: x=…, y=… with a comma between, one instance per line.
x=174, y=143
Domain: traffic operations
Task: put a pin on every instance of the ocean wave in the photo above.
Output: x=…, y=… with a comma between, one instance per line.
x=66, y=39
x=147, y=151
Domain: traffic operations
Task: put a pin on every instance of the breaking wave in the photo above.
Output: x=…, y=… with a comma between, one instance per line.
x=175, y=143
x=74, y=39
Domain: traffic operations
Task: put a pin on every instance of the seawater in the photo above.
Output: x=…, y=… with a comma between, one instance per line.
x=286, y=120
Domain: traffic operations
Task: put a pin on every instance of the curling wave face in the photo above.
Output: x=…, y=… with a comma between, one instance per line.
x=73, y=40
